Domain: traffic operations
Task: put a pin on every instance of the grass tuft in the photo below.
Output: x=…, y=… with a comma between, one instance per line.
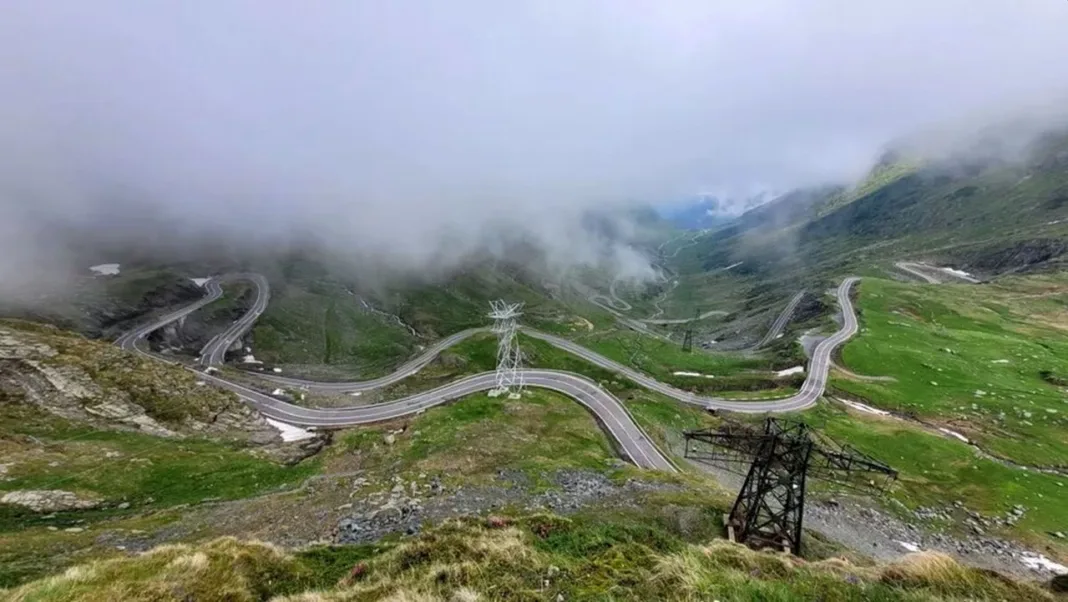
x=468, y=560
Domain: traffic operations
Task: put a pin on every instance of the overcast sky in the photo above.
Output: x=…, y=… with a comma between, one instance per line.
x=356, y=115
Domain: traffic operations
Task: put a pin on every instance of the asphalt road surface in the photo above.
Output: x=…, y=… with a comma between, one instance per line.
x=811, y=390
x=416, y=364
x=130, y=340
x=781, y=320
x=916, y=269
x=934, y=274
x=631, y=440
x=214, y=353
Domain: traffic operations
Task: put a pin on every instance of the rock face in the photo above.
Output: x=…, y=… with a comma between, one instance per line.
x=48, y=500
x=99, y=384
x=1019, y=256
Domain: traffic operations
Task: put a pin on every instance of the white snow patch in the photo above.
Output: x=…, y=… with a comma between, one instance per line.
x=954, y=434
x=276, y=370
x=1040, y=562
x=955, y=272
x=105, y=269
x=290, y=432
x=863, y=407
x=200, y=281
x=911, y=547
x=959, y=273
x=789, y=371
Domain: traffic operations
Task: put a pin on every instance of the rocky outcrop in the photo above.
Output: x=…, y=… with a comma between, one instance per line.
x=67, y=391
x=48, y=500
x=1018, y=257
x=97, y=383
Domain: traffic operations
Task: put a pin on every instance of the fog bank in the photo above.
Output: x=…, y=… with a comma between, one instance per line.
x=417, y=133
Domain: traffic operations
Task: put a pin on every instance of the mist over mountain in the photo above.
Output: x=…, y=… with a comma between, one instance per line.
x=415, y=139
x=708, y=210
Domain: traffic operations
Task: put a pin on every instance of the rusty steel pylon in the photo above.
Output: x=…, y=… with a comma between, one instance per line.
x=770, y=507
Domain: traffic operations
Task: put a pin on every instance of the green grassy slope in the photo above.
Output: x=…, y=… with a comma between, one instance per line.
x=983, y=361
x=883, y=174
x=62, y=403
x=937, y=471
x=319, y=320
x=990, y=217
x=533, y=557
x=323, y=323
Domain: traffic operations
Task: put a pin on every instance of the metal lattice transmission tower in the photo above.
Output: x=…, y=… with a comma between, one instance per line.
x=771, y=504
x=509, y=357
x=687, y=337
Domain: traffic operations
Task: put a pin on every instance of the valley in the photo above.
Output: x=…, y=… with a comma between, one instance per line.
x=533, y=302
x=638, y=383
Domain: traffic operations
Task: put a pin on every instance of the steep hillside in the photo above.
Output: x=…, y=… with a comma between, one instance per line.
x=104, y=305
x=89, y=433
x=338, y=323
x=989, y=215
x=63, y=399
x=890, y=168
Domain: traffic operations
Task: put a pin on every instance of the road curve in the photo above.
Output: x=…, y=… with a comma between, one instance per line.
x=414, y=365
x=632, y=441
x=924, y=271
x=129, y=340
x=214, y=353
x=668, y=321
x=913, y=270
x=404, y=371
x=609, y=411
x=811, y=390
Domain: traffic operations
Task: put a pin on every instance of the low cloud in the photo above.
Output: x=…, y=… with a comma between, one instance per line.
x=419, y=133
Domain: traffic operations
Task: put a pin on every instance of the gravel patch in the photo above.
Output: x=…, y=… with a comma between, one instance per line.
x=408, y=505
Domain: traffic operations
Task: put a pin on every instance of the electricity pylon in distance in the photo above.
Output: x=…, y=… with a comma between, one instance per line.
x=509, y=375
x=687, y=337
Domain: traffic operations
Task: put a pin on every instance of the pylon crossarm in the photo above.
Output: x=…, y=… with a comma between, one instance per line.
x=769, y=509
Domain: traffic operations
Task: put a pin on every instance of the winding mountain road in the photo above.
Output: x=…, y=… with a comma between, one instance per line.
x=934, y=274
x=214, y=352
x=780, y=321
x=129, y=340
x=610, y=412
x=914, y=269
